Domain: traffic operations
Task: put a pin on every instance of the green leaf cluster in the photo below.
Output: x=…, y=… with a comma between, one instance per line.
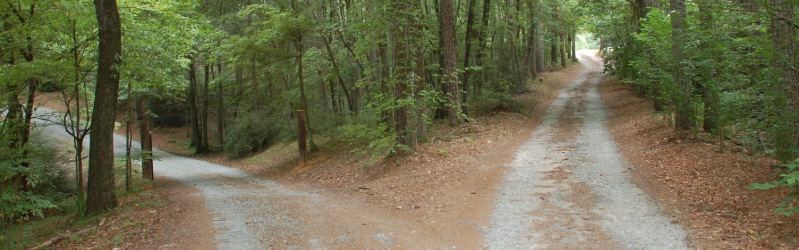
x=790, y=179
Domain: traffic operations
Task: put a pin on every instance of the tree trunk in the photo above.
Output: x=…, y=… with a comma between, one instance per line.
x=220, y=108
x=206, y=101
x=196, y=132
x=532, y=73
x=145, y=140
x=341, y=84
x=574, y=46
x=711, y=110
x=450, y=61
x=684, y=115
x=783, y=33
x=101, y=191
x=562, y=49
x=553, y=50
x=467, y=55
x=540, y=61
x=303, y=99
x=482, y=43
x=403, y=52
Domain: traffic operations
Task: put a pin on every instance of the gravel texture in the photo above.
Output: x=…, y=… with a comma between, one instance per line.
x=569, y=187
x=249, y=212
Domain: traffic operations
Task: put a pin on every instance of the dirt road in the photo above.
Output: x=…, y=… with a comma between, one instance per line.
x=568, y=187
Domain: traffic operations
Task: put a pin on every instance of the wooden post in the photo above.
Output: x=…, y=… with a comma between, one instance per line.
x=302, y=140
x=147, y=159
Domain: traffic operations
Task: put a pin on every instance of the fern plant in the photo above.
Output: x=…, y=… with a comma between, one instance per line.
x=790, y=179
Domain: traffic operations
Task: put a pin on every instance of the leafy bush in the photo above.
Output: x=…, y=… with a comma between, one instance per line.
x=255, y=131
x=378, y=142
x=48, y=182
x=790, y=179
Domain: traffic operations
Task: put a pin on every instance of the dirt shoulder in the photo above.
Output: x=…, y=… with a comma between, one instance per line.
x=170, y=216
x=702, y=185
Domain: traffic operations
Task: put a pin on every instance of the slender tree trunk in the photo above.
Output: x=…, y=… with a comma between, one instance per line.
x=145, y=140
x=553, y=50
x=482, y=41
x=196, y=131
x=540, y=61
x=303, y=99
x=532, y=73
x=129, y=139
x=206, y=101
x=684, y=106
x=562, y=50
x=467, y=55
x=101, y=189
x=341, y=84
x=220, y=107
x=450, y=73
x=573, y=46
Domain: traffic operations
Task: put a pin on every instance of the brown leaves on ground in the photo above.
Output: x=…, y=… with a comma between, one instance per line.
x=172, y=215
x=701, y=185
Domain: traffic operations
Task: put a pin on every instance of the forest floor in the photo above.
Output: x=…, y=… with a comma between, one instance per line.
x=446, y=188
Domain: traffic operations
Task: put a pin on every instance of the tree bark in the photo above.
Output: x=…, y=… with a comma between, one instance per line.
x=206, y=102
x=482, y=43
x=403, y=53
x=220, y=107
x=467, y=55
x=553, y=50
x=450, y=62
x=562, y=48
x=540, y=58
x=532, y=73
x=783, y=34
x=101, y=195
x=684, y=115
x=196, y=132
x=145, y=140
x=303, y=99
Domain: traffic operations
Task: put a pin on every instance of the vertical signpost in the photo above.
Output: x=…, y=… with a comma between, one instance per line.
x=302, y=140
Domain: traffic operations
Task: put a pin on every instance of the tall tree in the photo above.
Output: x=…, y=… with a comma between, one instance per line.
x=532, y=42
x=482, y=40
x=684, y=107
x=450, y=62
x=783, y=33
x=467, y=55
x=196, y=129
x=101, y=194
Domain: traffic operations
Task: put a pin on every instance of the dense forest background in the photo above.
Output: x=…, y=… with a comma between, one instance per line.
x=377, y=74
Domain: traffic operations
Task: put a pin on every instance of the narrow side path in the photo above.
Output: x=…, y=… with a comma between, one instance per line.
x=568, y=187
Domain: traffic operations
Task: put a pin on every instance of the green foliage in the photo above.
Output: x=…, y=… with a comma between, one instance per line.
x=727, y=70
x=375, y=142
x=48, y=184
x=790, y=180
x=256, y=131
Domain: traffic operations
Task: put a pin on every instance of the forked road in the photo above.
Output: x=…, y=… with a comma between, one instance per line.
x=567, y=188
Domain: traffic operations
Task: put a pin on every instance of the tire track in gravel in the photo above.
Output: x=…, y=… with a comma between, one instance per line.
x=569, y=188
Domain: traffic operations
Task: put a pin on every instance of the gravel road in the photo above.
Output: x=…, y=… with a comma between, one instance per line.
x=249, y=212
x=569, y=188
x=566, y=189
